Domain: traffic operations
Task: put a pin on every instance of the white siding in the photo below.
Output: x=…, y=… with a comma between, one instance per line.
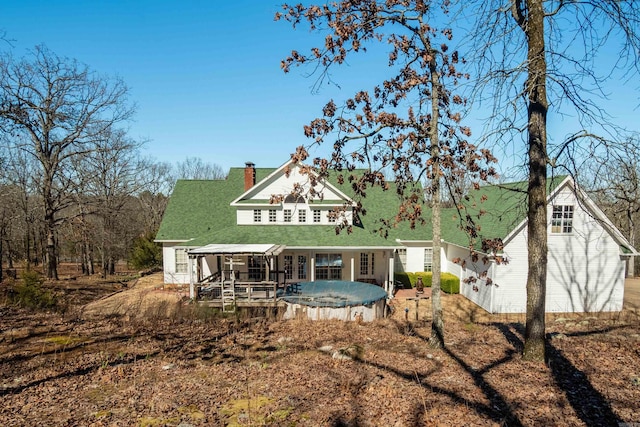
x=282, y=184
x=169, y=265
x=585, y=272
x=452, y=252
x=415, y=259
x=509, y=293
x=476, y=291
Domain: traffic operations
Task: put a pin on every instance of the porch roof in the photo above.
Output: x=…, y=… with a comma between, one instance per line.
x=236, y=249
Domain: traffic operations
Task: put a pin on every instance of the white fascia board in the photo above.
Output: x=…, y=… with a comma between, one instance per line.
x=279, y=171
x=257, y=184
x=172, y=241
x=550, y=196
x=404, y=242
x=342, y=248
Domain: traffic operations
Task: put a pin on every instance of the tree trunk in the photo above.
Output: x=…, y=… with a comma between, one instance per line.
x=436, y=339
x=534, y=339
x=631, y=270
x=50, y=254
x=88, y=260
x=1, y=271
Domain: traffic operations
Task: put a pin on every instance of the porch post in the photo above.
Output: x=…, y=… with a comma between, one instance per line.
x=192, y=288
x=353, y=270
x=391, y=267
x=312, y=273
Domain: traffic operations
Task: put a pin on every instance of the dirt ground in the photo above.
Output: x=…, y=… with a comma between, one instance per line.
x=133, y=355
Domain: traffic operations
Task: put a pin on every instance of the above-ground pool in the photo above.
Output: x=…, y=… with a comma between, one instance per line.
x=334, y=299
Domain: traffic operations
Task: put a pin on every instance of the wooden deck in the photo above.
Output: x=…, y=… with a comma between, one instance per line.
x=245, y=293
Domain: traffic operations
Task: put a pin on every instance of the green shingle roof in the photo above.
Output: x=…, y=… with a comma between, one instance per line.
x=199, y=213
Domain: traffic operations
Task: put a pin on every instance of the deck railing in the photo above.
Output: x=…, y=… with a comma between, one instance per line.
x=245, y=291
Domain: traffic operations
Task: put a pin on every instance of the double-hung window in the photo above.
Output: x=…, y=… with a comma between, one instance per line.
x=428, y=259
x=257, y=215
x=562, y=219
x=400, y=261
x=182, y=261
x=272, y=215
x=287, y=215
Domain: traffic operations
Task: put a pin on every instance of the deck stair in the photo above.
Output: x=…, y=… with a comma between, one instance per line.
x=228, y=286
x=228, y=296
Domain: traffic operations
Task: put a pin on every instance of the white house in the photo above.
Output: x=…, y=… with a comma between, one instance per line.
x=236, y=226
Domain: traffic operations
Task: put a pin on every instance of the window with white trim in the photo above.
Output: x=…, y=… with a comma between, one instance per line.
x=287, y=215
x=302, y=216
x=328, y=267
x=302, y=267
x=317, y=216
x=288, y=267
x=182, y=261
x=562, y=219
x=257, y=215
x=400, y=263
x=428, y=259
x=332, y=216
x=273, y=216
x=367, y=267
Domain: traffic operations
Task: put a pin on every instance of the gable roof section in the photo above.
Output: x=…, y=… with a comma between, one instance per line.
x=505, y=209
x=200, y=213
x=499, y=210
x=248, y=198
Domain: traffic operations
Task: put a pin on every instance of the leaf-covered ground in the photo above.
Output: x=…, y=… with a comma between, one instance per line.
x=191, y=370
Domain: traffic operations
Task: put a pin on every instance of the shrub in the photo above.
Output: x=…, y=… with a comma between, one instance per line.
x=29, y=293
x=448, y=282
x=146, y=253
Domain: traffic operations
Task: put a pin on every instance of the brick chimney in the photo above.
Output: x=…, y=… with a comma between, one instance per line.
x=249, y=175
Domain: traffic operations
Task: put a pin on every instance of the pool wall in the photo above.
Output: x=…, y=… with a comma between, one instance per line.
x=365, y=313
x=335, y=299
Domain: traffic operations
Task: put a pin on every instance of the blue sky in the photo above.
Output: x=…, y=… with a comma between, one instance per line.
x=205, y=75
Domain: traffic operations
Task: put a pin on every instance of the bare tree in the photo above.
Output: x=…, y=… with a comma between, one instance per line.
x=196, y=168
x=527, y=52
x=408, y=124
x=110, y=177
x=159, y=182
x=616, y=186
x=64, y=110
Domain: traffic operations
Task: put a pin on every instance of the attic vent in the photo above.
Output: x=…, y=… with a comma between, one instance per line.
x=293, y=199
